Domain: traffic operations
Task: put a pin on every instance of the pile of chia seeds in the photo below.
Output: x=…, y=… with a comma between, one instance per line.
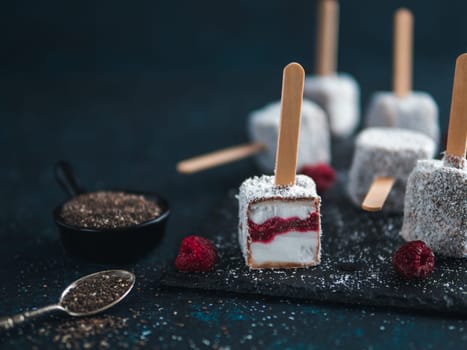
x=109, y=210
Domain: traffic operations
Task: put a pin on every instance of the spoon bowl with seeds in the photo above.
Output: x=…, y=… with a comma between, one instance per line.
x=86, y=296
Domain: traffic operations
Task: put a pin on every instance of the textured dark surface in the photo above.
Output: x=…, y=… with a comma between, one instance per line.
x=126, y=89
x=356, y=263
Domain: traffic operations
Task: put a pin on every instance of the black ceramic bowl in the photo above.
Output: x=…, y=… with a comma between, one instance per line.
x=108, y=245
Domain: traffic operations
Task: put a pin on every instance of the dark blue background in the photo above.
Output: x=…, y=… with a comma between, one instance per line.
x=125, y=89
x=83, y=36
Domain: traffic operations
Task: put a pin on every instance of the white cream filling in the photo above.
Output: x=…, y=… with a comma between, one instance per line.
x=262, y=211
x=290, y=247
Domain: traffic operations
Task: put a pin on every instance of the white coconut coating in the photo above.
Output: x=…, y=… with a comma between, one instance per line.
x=436, y=207
x=417, y=111
x=260, y=199
x=386, y=152
x=263, y=187
x=339, y=96
x=314, y=142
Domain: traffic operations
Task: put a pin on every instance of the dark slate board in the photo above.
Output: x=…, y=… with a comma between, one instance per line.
x=355, y=268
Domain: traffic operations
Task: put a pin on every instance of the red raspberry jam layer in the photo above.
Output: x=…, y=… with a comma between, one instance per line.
x=275, y=226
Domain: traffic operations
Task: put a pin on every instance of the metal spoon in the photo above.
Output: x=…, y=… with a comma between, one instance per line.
x=62, y=305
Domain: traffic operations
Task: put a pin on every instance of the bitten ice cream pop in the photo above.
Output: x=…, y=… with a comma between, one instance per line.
x=337, y=94
x=382, y=162
x=279, y=217
x=436, y=199
x=404, y=108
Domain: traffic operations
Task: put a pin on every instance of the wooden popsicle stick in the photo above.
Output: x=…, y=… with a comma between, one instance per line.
x=213, y=159
x=289, y=130
x=327, y=37
x=403, y=52
x=377, y=194
x=457, y=132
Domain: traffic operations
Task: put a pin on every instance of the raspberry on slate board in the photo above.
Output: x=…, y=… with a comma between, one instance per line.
x=414, y=260
x=196, y=254
x=322, y=174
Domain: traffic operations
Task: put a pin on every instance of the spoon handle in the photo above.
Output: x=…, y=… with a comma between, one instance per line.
x=12, y=321
x=66, y=177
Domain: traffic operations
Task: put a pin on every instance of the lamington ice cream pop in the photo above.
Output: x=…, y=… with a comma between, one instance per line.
x=314, y=142
x=279, y=216
x=382, y=161
x=436, y=199
x=263, y=130
x=404, y=108
x=337, y=93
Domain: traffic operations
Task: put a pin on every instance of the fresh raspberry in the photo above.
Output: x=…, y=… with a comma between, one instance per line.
x=322, y=173
x=414, y=260
x=196, y=254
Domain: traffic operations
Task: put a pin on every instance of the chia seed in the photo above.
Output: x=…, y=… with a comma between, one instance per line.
x=95, y=292
x=109, y=210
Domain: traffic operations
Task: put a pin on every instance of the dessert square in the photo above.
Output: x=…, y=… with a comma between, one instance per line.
x=279, y=226
x=314, y=141
x=339, y=96
x=436, y=207
x=417, y=111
